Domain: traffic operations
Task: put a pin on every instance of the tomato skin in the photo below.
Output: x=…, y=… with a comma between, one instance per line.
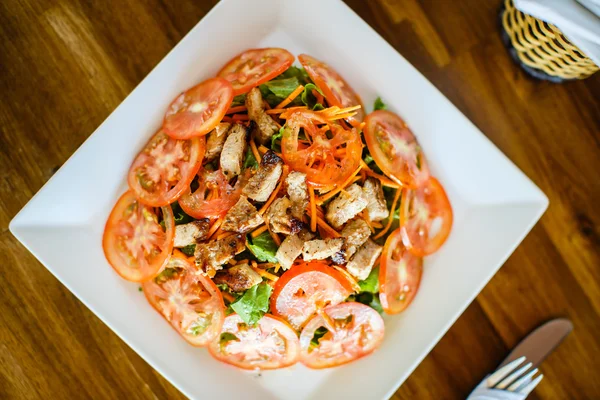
x=284, y=347
x=322, y=284
x=336, y=90
x=269, y=62
x=195, y=205
x=400, y=275
x=346, y=341
x=163, y=170
x=395, y=149
x=326, y=161
x=415, y=226
x=199, y=109
x=129, y=221
x=193, y=287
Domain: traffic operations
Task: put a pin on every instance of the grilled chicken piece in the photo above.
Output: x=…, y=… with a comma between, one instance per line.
x=321, y=249
x=376, y=207
x=291, y=248
x=242, y=217
x=361, y=264
x=346, y=205
x=240, y=277
x=191, y=233
x=280, y=218
x=298, y=192
x=234, y=149
x=356, y=233
x=266, y=127
x=261, y=185
x=215, y=141
x=211, y=256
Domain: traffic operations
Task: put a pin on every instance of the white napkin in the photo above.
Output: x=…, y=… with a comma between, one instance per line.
x=577, y=19
x=482, y=392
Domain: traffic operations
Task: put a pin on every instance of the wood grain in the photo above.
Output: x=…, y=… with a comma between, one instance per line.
x=66, y=64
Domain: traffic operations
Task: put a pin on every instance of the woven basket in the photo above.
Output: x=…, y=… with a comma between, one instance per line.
x=543, y=47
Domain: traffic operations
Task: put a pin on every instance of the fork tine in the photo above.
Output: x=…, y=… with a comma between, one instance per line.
x=500, y=374
x=509, y=379
x=521, y=382
x=529, y=388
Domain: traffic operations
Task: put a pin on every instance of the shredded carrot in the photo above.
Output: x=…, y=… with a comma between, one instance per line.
x=240, y=117
x=272, y=197
x=253, y=263
x=332, y=193
x=318, y=97
x=255, y=150
x=288, y=111
x=227, y=119
x=236, y=109
x=350, y=278
x=227, y=296
x=356, y=179
x=223, y=235
x=267, y=265
x=291, y=97
x=262, y=149
x=266, y=274
x=391, y=216
x=321, y=222
x=258, y=231
x=233, y=261
x=266, y=105
x=365, y=215
x=384, y=180
x=214, y=227
x=377, y=224
x=313, y=209
x=277, y=266
x=274, y=236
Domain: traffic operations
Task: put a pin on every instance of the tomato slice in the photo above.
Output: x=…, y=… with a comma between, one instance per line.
x=163, y=170
x=270, y=344
x=306, y=288
x=190, y=302
x=425, y=218
x=354, y=330
x=327, y=154
x=399, y=275
x=198, y=205
x=198, y=110
x=134, y=242
x=336, y=90
x=254, y=67
x=395, y=149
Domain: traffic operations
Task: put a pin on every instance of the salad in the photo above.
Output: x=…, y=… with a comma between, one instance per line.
x=272, y=220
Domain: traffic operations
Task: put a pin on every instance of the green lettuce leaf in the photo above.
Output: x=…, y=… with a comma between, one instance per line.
x=263, y=247
x=253, y=304
x=379, y=104
x=371, y=284
x=295, y=72
x=308, y=99
x=250, y=161
x=188, y=250
x=276, y=140
x=239, y=100
x=282, y=87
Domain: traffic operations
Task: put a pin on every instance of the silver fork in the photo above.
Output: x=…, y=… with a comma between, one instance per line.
x=515, y=377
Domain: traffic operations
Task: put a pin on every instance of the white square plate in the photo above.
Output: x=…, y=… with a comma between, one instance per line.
x=495, y=205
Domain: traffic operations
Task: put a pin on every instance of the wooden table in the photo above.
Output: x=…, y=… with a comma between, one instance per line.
x=64, y=67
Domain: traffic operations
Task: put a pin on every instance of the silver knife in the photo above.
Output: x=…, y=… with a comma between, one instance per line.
x=541, y=342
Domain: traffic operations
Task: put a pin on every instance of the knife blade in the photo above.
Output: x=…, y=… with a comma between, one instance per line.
x=541, y=342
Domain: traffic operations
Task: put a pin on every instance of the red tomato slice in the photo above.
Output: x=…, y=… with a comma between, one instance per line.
x=196, y=204
x=163, y=170
x=425, y=218
x=134, y=242
x=353, y=331
x=198, y=110
x=190, y=302
x=395, y=149
x=334, y=87
x=270, y=344
x=399, y=275
x=326, y=160
x=254, y=67
x=306, y=288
